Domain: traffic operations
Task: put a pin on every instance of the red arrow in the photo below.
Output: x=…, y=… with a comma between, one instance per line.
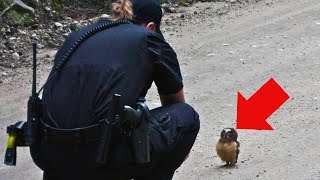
x=253, y=113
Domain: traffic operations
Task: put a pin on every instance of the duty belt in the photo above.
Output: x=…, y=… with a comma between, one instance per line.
x=70, y=136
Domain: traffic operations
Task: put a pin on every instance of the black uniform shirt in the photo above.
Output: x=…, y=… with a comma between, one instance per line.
x=125, y=59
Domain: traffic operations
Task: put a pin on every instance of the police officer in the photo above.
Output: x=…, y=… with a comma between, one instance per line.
x=124, y=59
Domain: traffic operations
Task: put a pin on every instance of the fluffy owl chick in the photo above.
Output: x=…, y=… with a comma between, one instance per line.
x=228, y=147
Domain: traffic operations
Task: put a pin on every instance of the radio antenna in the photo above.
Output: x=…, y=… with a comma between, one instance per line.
x=34, y=70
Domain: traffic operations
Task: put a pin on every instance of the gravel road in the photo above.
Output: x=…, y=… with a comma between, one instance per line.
x=221, y=55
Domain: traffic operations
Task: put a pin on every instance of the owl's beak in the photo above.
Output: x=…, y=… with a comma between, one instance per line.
x=225, y=136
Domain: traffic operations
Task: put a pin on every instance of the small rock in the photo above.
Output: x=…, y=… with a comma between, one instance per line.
x=195, y=12
x=182, y=16
x=104, y=16
x=8, y=31
x=2, y=46
x=67, y=18
x=34, y=37
x=172, y=9
x=167, y=9
x=57, y=25
x=47, y=8
x=40, y=46
x=211, y=54
x=35, y=26
x=22, y=32
x=4, y=74
x=66, y=34
x=16, y=56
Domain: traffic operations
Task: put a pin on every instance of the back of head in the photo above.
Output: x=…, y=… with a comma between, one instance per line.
x=138, y=11
x=122, y=10
x=147, y=11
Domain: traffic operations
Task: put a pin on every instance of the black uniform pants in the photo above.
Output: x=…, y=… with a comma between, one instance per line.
x=172, y=134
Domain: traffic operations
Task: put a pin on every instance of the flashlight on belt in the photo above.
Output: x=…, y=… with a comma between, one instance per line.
x=11, y=152
x=15, y=139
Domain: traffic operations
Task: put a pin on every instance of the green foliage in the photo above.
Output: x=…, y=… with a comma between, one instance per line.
x=4, y=4
x=16, y=16
x=21, y=19
x=185, y=1
x=57, y=5
x=28, y=19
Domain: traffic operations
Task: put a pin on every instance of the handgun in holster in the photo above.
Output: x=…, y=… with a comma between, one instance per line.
x=139, y=119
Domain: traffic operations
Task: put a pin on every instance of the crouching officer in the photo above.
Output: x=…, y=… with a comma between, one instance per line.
x=90, y=132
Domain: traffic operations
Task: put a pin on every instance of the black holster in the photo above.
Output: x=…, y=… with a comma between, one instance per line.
x=132, y=121
x=139, y=119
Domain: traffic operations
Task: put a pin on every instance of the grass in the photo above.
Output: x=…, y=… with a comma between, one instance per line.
x=57, y=5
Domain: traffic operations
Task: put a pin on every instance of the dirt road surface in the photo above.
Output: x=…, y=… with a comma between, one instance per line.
x=219, y=56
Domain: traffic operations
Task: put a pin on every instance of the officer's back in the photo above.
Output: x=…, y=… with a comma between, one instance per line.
x=102, y=65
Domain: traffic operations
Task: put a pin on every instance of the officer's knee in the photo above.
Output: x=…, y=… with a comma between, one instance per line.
x=190, y=116
x=195, y=121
